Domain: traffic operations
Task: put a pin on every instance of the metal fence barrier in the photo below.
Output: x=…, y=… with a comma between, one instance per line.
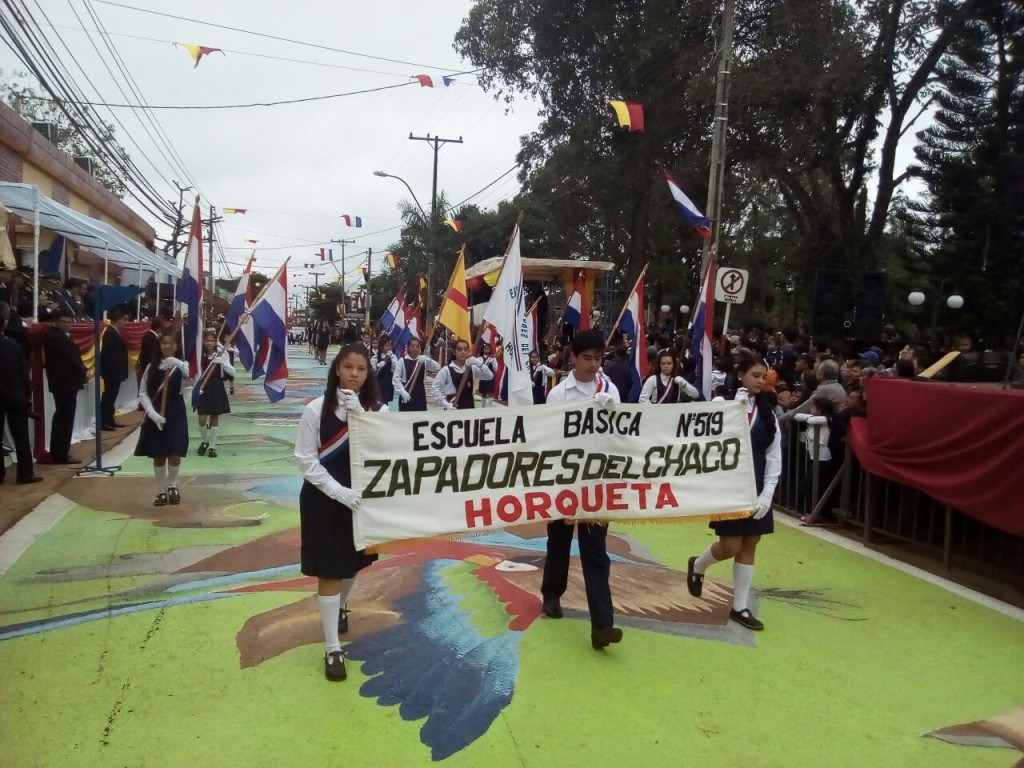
x=842, y=493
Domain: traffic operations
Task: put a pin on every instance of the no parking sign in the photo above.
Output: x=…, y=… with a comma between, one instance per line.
x=731, y=285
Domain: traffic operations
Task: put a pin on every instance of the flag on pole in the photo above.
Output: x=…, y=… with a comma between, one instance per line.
x=392, y=260
x=387, y=320
x=631, y=323
x=234, y=210
x=422, y=293
x=684, y=207
x=54, y=261
x=365, y=272
x=352, y=221
x=455, y=224
x=577, y=308
x=269, y=315
x=411, y=330
x=454, y=314
x=326, y=254
x=630, y=114
x=506, y=311
x=702, y=343
x=190, y=293
x=398, y=326
x=244, y=340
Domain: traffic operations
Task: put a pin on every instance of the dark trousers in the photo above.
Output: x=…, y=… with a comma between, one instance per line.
x=63, y=424
x=595, y=562
x=107, y=400
x=16, y=417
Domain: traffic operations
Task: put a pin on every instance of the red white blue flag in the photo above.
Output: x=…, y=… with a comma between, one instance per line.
x=684, y=206
x=702, y=343
x=190, y=293
x=631, y=323
x=269, y=315
x=577, y=308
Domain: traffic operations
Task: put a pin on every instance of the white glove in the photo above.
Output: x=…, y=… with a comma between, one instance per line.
x=223, y=358
x=404, y=397
x=170, y=363
x=350, y=400
x=450, y=405
x=605, y=400
x=424, y=359
x=474, y=361
x=349, y=497
x=157, y=419
x=686, y=387
x=762, y=507
x=679, y=380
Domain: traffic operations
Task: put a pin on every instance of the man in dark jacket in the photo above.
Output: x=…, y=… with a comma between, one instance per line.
x=66, y=375
x=150, y=347
x=113, y=369
x=15, y=390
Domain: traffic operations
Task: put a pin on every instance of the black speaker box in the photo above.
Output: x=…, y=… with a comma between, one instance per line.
x=830, y=303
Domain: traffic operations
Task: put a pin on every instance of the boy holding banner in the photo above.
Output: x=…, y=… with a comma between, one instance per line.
x=583, y=383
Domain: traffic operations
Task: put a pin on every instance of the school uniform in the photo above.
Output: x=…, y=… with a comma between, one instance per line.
x=172, y=440
x=322, y=451
x=540, y=376
x=385, y=365
x=663, y=389
x=766, y=446
x=408, y=378
x=592, y=536
x=448, y=379
x=213, y=400
x=486, y=386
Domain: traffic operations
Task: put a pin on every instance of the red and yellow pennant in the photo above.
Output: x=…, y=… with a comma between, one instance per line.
x=629, y=113
x=198, y=51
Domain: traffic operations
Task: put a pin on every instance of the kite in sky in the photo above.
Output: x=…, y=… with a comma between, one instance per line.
x=352, y=221
x=629, y=113
x=233, y=210
x=198, y=51
x=426, y=81
x=455, y=224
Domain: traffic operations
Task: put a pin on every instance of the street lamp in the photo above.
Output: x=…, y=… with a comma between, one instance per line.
x=384, y=175
x=953, y=301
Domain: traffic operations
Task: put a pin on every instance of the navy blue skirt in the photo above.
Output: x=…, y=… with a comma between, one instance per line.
x=745, y=526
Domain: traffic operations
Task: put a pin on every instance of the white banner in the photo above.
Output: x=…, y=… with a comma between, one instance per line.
x=433, y=473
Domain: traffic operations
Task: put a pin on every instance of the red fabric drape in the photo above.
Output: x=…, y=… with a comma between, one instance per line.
x=960, y=444
x=84, y=335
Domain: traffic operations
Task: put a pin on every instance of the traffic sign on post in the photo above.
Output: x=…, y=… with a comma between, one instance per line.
x=731, y=286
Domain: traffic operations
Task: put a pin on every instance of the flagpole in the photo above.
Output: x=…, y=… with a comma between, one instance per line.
x=244, y=317
x=615, y=327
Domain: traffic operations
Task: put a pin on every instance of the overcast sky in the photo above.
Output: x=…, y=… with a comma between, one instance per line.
x=298, y=167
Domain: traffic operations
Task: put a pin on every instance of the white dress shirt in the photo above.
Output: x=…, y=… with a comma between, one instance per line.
x=569, y=390
x=398, y=372
x=307, y=448
x=444, y=385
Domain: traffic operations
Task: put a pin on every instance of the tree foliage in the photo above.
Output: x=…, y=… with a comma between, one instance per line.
x=27, y=102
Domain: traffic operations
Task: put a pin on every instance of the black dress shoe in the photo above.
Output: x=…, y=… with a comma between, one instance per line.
x=160, y=500
x=109, y=428
x=212, y=453
x=201, y=450
x=334, y=666
x=173, y=496
x=343, y=622
x=552, y=608
x=602, y=638
x=29, y=480
x=694, y=580
x=747, y=619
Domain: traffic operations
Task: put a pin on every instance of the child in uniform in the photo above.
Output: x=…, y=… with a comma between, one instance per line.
x=327, y=500
x=164, y=433
x=212, y=400
x=409, y=375
x=667, y=386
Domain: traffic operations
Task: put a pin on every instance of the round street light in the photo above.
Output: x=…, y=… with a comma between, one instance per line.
x=956, y=301
x=684, y=309
x=916, y=298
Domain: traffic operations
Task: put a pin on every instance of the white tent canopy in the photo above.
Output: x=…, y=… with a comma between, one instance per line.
x=100, y=238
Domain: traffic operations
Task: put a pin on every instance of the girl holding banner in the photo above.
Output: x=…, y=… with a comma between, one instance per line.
x=327, y=500
x=164, y=433
x=211, y=399
x=737, y=539
x=667, y=386
x=409, y=376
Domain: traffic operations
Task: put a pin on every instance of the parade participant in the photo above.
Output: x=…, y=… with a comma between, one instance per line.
x=409, y=376
x=327, y=500
x=323, y=340
x=66, y=376
x=15, y=400
x=584, y=383
x=667, y=386
x=164, y=433
x=212, y=400
x=738, y=539
x=384, y=368
x=113, y=369
x=486, y=386
x=150, y=347
x=540, y=375
x=232, y=351
x=449, y=379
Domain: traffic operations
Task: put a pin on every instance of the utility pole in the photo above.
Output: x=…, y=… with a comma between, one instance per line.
x=436, y=142
x=716, y=177
x=179, y=222
x=369, y=274
x=344, y=295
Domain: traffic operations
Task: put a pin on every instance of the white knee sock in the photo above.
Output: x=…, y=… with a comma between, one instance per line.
x=161, y=478
x=203, y=432
x=172, y=475
x=330, y=607
x=213, y=436
x=742, y=578
x=705, y=560
x=346, y=587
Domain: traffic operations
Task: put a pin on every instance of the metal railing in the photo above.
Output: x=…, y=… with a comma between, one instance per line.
x=881, y=511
